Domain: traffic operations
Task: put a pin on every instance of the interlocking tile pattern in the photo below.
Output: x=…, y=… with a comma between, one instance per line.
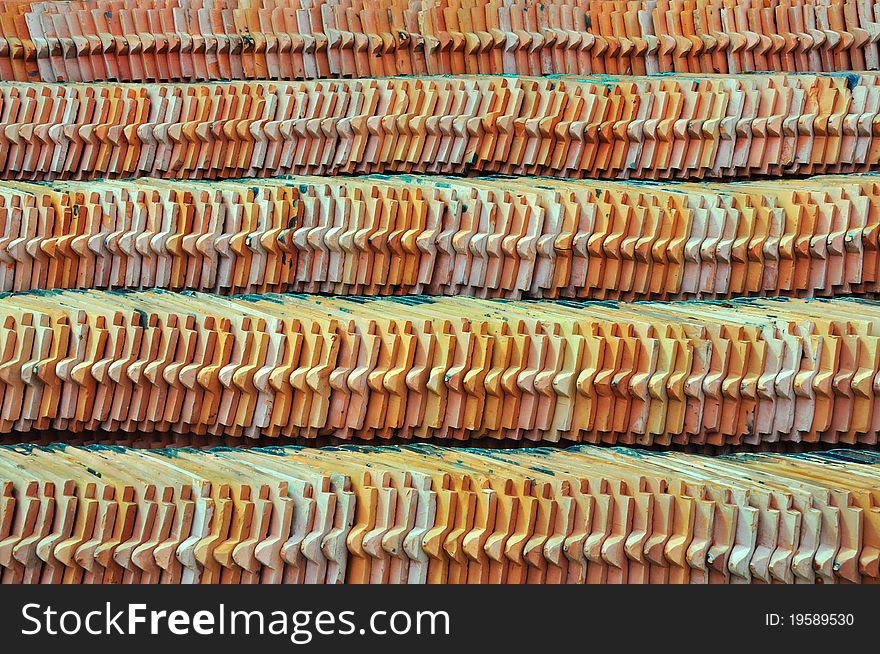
x=743, y=372
x=90, y=91
x=493, y=237
x=674, y=127
x=424, y=514
x=179, y=40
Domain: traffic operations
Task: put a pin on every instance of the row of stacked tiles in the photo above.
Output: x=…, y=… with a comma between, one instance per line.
x=642, y=127
x=744, y=372
x=446, y=236
x=170, y=40
x=434, y=515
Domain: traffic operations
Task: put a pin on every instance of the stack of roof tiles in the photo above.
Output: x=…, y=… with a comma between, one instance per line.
x=735, y=373
x=238, y=221
x=509, y=238
x=195, y=40
x=433, y=515
x=702, y=126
